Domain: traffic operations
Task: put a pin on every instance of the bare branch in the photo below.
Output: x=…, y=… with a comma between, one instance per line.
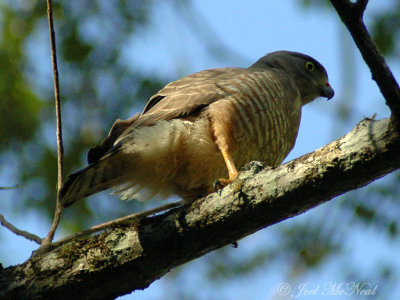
x=57, y=215
x=9, y=187
x=13, y=229
x=60, y=148
x=351, y=15
x=25, y=234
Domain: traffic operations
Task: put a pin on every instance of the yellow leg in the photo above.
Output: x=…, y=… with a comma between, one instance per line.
x=233, y=173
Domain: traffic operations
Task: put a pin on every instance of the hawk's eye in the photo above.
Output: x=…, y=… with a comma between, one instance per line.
x=310, y=66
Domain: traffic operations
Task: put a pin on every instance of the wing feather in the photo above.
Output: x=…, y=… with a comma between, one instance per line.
x=182, y=96
x=186, y=96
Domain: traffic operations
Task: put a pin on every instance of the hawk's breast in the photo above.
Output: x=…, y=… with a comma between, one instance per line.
x=261, y=116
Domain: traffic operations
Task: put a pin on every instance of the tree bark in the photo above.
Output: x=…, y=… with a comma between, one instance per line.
x=134, y=254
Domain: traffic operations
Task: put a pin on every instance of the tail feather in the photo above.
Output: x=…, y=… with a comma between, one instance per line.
x=97, y=177
x=140, y=162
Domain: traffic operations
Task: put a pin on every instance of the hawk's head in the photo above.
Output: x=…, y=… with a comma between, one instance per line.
x=309, y=75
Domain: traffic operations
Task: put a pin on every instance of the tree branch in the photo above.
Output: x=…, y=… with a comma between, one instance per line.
x=351, y=15
x=360, y=6
x=60, y=148
x=134, y=254
x=8, y=187
x=25, y=234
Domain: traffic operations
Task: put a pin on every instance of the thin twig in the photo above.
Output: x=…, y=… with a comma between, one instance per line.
x=8, y=187
x=25, y=234
x=106, y=225
x=118, y=221
x=60, y=148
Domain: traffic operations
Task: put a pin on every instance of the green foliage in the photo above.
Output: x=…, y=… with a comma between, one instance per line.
x=385, y=30
x=74, y=49
x=19, y=106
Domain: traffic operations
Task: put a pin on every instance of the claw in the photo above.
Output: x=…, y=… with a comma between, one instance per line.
x=217, y=185
x=233, y=173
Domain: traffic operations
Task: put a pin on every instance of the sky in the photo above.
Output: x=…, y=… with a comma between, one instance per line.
x=249, y=29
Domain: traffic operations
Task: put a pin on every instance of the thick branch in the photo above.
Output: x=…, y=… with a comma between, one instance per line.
x=361, y=5
x=134, y=254
x=351, y=15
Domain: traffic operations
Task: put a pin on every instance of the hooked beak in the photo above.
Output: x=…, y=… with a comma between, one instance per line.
x=327, y=91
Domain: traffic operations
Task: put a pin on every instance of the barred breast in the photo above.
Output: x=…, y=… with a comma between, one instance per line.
x=260, y=120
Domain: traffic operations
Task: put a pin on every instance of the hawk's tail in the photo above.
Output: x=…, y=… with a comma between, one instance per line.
x=97, y=177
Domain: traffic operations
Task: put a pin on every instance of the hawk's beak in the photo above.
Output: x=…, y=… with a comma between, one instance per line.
x=327, y=91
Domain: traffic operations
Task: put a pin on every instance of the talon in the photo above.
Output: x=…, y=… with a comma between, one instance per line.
x=217, y=185
x=222, y=182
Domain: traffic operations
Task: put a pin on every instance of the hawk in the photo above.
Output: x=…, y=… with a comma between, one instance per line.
x=201, y=129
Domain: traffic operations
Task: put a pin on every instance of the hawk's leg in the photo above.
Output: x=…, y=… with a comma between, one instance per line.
x=233, y=173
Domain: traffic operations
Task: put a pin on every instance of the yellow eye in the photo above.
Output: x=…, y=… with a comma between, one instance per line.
x=310, y=66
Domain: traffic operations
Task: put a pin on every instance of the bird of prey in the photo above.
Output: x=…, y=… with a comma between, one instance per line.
x=201, y=129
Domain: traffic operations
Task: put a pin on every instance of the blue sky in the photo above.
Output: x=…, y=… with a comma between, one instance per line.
x=250, y=29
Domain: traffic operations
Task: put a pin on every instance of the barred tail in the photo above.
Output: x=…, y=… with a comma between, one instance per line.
x=97, y=177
